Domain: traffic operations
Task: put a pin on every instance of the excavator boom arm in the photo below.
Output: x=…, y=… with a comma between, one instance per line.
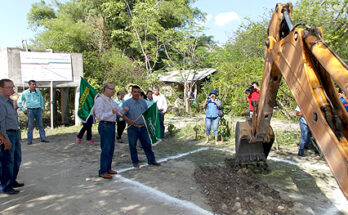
x=310, y=69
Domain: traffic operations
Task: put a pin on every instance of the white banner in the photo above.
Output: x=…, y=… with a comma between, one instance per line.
x=43, y=66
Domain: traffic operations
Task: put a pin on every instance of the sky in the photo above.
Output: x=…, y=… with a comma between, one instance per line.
x=223, y=18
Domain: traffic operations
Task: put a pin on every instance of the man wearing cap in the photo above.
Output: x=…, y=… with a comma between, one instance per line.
x=252, y=95
x=162, y=106
x=10, y=157
x=32, y=104
x=212, y=105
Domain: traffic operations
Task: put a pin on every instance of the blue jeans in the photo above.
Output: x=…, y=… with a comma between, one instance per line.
x=212, y=121
x=86, y=127
x=6, y=169
x=10, y=161
x=35, y=114
x=107, y=145
x=134, y=134
x=161, y=118
x=305, y=135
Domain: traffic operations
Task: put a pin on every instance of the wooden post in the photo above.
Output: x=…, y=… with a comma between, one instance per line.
x=51, y=104
x=77, y=96
x=64, y=105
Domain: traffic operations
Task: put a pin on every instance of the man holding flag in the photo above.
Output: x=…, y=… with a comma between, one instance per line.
x=105, y=110
x=135, y=107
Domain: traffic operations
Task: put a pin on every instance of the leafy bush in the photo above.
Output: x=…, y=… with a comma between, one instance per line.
x=224, y=130
x=171, y=130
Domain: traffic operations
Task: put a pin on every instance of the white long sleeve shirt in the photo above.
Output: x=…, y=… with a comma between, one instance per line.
x=161, y=102
x=103, y=110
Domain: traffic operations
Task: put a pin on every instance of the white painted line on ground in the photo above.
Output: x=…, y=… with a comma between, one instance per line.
x=163, y=197
x=336, y=204
x=183, y=154
x=339, y=202
x=166, y=159
x=304, y=164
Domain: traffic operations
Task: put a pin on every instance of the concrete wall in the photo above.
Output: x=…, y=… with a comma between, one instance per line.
x=13, y=70
x=3, y=64
x=10, y=67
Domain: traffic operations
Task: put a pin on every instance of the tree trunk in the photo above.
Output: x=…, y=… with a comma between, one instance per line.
x=186, y=97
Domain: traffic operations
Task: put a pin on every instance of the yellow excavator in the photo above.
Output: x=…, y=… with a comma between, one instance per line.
x=311, y=69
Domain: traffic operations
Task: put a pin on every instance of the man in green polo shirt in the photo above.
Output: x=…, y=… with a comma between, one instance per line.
x=32, y=104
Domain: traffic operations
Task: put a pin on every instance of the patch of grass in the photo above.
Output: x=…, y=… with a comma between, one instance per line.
x=62, y=130
x=209, y=157
x=174, y=146
x=287, y=137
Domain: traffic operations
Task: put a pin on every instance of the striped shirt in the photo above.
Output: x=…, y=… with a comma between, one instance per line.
x=103, y=109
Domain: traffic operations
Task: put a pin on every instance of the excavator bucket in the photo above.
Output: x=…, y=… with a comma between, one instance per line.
x=251, y=151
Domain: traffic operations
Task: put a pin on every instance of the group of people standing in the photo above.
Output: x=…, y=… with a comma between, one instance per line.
x=124, y=108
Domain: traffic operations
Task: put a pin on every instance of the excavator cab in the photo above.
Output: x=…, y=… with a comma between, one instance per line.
x=311, y=70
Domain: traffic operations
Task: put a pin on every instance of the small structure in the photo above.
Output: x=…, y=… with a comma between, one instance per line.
x=176, y=78
x=56, y=71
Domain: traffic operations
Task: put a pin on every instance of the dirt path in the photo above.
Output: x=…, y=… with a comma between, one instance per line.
x=61, y=178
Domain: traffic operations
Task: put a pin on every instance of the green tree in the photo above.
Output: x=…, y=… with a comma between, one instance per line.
x=97, y=27
x=331, y=16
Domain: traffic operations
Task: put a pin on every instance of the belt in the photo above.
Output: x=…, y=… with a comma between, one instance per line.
x=33, y=108
x=11, y=130
x=107, y=122
x=139, y=126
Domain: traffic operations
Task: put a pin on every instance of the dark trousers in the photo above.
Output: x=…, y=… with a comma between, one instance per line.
x=134, y=134
x=107, y=145
x=161, y=118
x=10, y=162
x=35, y=114
x=121, y=125
x=6, y=169
x=86, y=127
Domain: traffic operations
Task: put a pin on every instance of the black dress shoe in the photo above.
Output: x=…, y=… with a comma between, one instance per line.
x=45, y=141
x=155, y=164
x=300, y=154
x=30, y=143
x=11, y=192
x=18, y=184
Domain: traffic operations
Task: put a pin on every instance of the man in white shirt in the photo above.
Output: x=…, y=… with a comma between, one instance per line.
x=129, y=94
x=162, y=106
x=105, y=110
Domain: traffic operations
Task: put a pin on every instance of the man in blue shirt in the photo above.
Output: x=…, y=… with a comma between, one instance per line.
x=10, y=157
x=121, y=124
x=305, y=133
x=32, y=104
x=134, y=108
x=149, y=99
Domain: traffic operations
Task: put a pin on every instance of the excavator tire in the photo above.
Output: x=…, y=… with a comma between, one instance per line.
x=247, y=151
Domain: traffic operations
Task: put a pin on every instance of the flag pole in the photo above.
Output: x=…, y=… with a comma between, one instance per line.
x=135, y=120
x=110, y=104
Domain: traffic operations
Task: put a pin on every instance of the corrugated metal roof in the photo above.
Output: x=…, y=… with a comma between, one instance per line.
x=177, y=76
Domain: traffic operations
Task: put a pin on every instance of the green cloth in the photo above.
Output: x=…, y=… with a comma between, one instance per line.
x=152, y=123
x=86, y=100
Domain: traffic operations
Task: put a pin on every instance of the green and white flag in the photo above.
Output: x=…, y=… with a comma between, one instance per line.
x=86, y=100
x=152, y=123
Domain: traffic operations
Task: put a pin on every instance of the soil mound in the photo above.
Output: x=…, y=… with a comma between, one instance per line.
x=235, y=189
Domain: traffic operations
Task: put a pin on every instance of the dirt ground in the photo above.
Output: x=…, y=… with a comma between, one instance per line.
x=61, y=178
